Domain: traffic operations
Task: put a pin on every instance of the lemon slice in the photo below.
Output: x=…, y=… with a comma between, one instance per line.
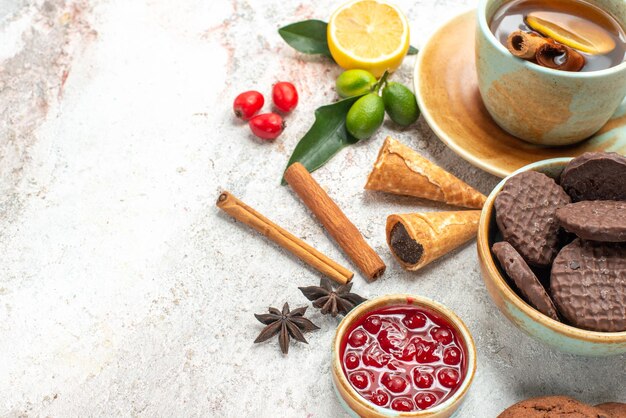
x=368, y=34
x=573, y=31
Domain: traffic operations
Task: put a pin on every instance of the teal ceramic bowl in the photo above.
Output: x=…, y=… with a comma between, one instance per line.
x=539, y=326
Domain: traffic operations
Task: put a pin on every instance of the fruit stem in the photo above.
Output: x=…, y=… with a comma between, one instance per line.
x=379, y=85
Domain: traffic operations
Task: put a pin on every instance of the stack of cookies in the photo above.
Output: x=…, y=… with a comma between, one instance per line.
x=563, y=244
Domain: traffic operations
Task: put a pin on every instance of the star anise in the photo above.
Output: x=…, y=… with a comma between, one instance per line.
x=286, y=323
x=331, y=300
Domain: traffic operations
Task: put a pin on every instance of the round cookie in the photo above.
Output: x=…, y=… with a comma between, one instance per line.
x=614, y=409
x=596, y=220
x=524, y=278
x=526, y=215
x=552, y=407
x=588, y=285
x=595, y=176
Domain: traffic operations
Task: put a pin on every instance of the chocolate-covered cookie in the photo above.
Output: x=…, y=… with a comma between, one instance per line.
x=524, y=278
x=526, y=215
x=588, y=285
x=552, y=407
x=614, y=409
x=595, y=176
x=596, y=220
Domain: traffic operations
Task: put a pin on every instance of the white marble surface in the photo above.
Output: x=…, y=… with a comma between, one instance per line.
x=123, y=291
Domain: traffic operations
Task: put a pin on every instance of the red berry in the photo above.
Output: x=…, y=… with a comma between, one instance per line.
x=247, y=104
x=374, y=356
x=393, y=382
x=391, y=339
x=379, y=398
x=285, y=96
x=452, y=355
x=422, y=378
x=372, y=324
x=352, y=361
x=426, y=352
x=402, y=404
x=357, y=339
x=415, y=320
x=359, y=380
x=425, y=400
x=442, y=335
x=408, y=352
x=267, y=125
x=448, y=377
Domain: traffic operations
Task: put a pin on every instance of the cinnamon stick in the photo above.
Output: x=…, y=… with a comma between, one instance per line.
x=524, y=44
x=248, y=216
x=336, y=223
x=571, y=60
x=544, y=51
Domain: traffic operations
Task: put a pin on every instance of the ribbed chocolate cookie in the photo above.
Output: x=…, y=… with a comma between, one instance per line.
x=525, y=214
x=588, y=285
x=596, y=220
x=524, y=278
x=595, y=176
x=552, y=407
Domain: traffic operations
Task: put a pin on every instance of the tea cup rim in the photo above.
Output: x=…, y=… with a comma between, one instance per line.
x=484, y=27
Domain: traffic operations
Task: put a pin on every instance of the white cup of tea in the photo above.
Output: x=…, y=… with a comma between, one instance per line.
x=543, y=105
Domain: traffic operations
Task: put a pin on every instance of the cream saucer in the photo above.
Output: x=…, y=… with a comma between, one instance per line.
x=446, y=87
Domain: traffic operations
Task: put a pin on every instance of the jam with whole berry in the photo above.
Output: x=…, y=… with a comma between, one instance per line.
x=404, y=358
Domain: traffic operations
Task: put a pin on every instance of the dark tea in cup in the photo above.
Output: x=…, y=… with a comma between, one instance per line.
x=570, y=35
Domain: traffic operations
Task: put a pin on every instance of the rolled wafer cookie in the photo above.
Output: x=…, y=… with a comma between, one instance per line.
x=416, y=239
x=400, y=170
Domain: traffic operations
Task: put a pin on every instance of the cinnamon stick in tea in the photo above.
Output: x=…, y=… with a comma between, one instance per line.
x=571, y=60
x=524, y=44
x=248, y=216
x=336, y=223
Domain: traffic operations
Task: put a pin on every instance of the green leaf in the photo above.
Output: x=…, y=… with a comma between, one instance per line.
x=326, y=137
x=412, y=50
x=308, y=36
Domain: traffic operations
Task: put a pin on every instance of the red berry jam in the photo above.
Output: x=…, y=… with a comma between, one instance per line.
x=357, y=338
x=402, y=404
x=380, y=398
x=425, y=400
x=351, y=360
x=372, y=324
x=405, y=358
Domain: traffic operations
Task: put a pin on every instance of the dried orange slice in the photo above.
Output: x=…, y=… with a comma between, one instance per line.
x=573, y=31
x=368, y=34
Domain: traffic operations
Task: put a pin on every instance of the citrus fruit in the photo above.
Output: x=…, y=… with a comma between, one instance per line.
x=573, y=31
x=365, y=116
x=400, y=104
x=368, y=34
x=354, y=83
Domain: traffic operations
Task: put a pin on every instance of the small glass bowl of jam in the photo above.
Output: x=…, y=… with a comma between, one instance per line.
x=402, y=355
